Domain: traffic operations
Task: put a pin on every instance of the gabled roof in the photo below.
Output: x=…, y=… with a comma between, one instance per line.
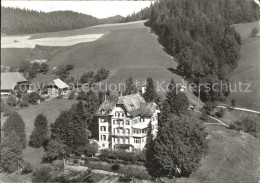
x=10, y=79
x=134, y=104
x=59, y=83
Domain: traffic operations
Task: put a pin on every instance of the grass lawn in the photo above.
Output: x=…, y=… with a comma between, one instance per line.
x=232, y=157
x=248, y=70
x=51, y=109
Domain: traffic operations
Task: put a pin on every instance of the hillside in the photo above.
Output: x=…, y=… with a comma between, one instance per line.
x=248, y=70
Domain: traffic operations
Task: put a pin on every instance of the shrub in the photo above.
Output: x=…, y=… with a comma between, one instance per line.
x=220, y=113
x=115, y=167
x=33, y=98
x=27, y=168
x=125, y=178
x=11, y=101
x=69, y=67
x=43, y=174
x=233, y=126
x=254, y=32
x=72, y=95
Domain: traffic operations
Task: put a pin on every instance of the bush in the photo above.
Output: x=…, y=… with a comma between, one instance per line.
x=125, y=178
x=69, y=67
x=72, y=95
x=11, y=101
x=27, y=168
x=115, y=167
x=43, y=174
x=254, y=32
x=122, y=155
x=220, y=113
x=33, y=98
x=233, y=126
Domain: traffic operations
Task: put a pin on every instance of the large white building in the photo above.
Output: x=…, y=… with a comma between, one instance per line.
x=125, y=121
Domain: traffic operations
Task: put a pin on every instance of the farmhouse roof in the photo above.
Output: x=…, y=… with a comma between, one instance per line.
x=10, y=79
x=59, y=83
x=134, y=104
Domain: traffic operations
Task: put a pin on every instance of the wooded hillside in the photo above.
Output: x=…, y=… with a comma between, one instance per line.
x=198, y=34
x=22, y=21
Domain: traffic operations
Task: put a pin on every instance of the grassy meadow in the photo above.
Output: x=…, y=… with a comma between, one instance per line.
x=248, y=70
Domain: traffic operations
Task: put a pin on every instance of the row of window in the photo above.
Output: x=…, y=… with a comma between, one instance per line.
x=119, y=114
x=121, y=140
x=122, y=131
x=121, y=122
x=139, y=131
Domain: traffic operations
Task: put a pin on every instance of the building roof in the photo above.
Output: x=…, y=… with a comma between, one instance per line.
x=59, y=83
x=10, y=79
x=134, y=104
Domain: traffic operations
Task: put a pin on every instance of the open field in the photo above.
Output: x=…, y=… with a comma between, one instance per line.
x=25, y=42
x=51, y=109
x=232, y=157
x=245, y=29
x=248, y=70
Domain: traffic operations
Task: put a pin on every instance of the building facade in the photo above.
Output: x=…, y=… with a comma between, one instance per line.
x=123, y=122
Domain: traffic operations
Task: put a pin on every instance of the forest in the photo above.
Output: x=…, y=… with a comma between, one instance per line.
x=23, y=21
x=199, y=35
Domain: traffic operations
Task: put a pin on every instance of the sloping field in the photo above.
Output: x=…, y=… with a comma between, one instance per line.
x=232, y=158
x=246, y=28
x=25, y=42
x=13, y=57
x=248, y=71
x=98, y=29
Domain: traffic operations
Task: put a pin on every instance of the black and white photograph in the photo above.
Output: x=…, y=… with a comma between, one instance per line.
x=116, y=91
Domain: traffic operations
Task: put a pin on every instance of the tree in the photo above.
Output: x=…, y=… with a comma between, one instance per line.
x=44, y=68
x=87, y=77
x=62, y=72
x=11, y=152
x=101, y=75
x=25, y=101
x=69, y=67
x=62, y=131
x=233, y=102
x=254, y=32
x=33, y=98
x=15, y=123
x=150, y=94
x=130, y=87
x=92, y=149
x=11, y=101
x=43, y=174
x=39, y=135
x=80, y=138
x=178, y=148
x=176, y=101
x=54, y=150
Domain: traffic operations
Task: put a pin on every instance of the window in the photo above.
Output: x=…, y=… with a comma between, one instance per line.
x=114, y=122
x=103, y=128
x=127, y=140
x=123, y=115
x=137, y=141
x=127, y=131
x=127, y=122
x=142, y=140
x=103, y=145
x=115, y=139
x=103, y=137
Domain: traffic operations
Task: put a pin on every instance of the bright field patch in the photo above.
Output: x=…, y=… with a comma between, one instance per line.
x=25, y=42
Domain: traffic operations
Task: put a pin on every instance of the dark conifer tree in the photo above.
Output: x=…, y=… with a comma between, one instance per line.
x=11, y=152
x=130, y=87
x=15, y=123
x=39, y=135
x=150, y=94
x=178, y=148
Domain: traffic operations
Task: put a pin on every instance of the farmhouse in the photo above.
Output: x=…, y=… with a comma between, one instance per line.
x=56, y=88
x=124, y=122
x=12, y=81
